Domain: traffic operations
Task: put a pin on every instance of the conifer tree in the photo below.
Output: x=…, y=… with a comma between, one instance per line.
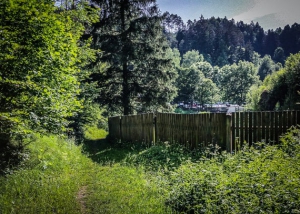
x=139, y=74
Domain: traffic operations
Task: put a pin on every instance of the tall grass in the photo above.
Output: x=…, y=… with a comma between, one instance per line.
x=52, y=180
x=48, y=181
x=125, y=178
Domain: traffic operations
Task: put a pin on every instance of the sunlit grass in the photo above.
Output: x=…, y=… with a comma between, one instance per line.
x=51, y=181
x=126, y=178
x=94, y=133
x=121, y=189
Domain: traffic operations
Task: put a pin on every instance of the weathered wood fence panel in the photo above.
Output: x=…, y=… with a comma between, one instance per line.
x=198, y=130
x=133, y=128
x=114, y=127
x=265, y=126
x=191, y=130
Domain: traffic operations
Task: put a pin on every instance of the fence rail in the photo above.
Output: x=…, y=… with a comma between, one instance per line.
x=198, y=130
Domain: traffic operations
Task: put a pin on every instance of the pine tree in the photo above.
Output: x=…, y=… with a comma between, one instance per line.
x=138, y=77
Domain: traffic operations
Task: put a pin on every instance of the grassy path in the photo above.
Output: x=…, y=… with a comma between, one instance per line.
x=58, y=178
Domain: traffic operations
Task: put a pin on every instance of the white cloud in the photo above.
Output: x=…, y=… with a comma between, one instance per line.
x=285, y=10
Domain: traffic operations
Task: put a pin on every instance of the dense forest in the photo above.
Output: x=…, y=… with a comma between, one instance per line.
x=239, y=63
x=66, y=65
x=222, y=41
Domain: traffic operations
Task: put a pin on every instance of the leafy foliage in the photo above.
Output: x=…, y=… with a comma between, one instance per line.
x=236, y=80
x=207, y=92
x=267, y=66
x=40, y=69
x=38, y=64
x=279, y=88
x=187, y=83
x=292, y=67
x=190, y=58
x=262, y=179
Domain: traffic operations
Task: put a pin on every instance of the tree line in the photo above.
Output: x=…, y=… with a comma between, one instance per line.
x=222, y=41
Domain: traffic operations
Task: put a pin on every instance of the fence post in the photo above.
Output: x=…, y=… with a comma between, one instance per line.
x=228, y=133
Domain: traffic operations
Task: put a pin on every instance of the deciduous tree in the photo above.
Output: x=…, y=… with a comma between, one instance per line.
x=38, y=64
x=236, y=80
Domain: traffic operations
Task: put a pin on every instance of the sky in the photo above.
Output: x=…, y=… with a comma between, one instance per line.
x=270, y=14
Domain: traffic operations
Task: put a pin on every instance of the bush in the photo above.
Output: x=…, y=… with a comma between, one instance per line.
x=94, y=133
x=256, y=180
x=160, y=156
x=168, y=156
x=12, y=145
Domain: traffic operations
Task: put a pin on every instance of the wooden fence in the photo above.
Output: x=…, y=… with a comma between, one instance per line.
x=192, y=130
x=138, y=128
x=198, y=130
x=265, y=126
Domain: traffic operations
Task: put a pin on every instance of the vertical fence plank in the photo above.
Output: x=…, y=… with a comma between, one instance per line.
x=246, y=130
x=263, y=126
x=276, y=125
x=284, y=122
x=272, y=127
x=250, y=128
x=233, y=131
x=294, y=120
x=157, y=128
x=223, y=131
x=200, y=118
x=195, y=131
x=114, y=128
x=204, y=142
x=238, y=131
x=280, y=128
x=259, y=127
x=242, y=126
x=267, y=126
x=202, y=130
x=290, y=118
x=254, y=127
x=229, y=132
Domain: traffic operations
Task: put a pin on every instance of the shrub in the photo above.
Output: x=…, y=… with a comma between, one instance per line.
x=256, y=180
x=94, y=133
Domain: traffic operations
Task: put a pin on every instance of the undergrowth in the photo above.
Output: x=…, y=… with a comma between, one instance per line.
x=56, y=171
x=164, y=178
x=264, y=179
x=168, y=156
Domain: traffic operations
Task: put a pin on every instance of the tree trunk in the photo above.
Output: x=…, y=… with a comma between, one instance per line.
x=125, y=91
x=125, y=75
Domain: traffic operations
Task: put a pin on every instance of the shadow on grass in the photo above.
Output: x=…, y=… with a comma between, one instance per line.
x=105, y=152
x=160, y=156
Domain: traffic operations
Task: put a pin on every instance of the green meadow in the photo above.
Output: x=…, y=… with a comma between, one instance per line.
x=58, y=176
